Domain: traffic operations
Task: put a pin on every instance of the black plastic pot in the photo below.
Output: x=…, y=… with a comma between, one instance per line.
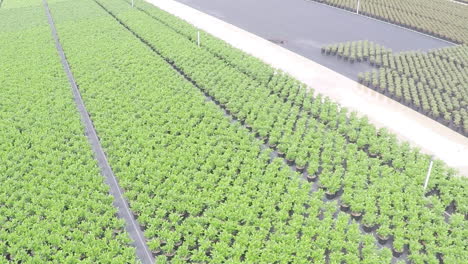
x=331, y=196
x=382, y=240
x=169, y=254
x=312, y=177
x=156, y=253
x=300, y=169
x=344, y=207
x=396, y=254
x=369, y=229
x=356, y=215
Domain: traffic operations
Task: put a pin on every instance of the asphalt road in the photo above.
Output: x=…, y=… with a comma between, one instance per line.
x=306, y=26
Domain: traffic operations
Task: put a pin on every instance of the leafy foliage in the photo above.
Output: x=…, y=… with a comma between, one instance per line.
x=434, y=83
x=314, y=129
x=361, y=50
x=54, y=205
x=456, y=54
x=203, y=187
x=428, y=83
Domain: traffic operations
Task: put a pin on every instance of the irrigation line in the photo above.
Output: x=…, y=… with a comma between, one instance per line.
x=124, y=212
x=386, y=22
x=233, y=118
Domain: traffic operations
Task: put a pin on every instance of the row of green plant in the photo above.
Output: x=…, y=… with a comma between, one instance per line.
x=203, y=188
x=443, y=82
x=421, y=97
x=440, y=18
x=427, y=68
x=362, y=50
x=434, y=83
x=456, y=54
x=54, y=204
x=288, y=117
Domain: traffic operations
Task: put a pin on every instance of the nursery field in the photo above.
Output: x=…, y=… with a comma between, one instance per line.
x=54, y=205
x=221, y=158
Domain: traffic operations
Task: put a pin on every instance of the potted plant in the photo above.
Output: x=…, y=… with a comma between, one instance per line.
x=383, y=233
x=282, y=148
x=355, y=213
x=398, y=246
x=345, y=198
x=368, y=221
x=312, y=169
x=155, y=247
x=291, y=155
x=301, y=162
